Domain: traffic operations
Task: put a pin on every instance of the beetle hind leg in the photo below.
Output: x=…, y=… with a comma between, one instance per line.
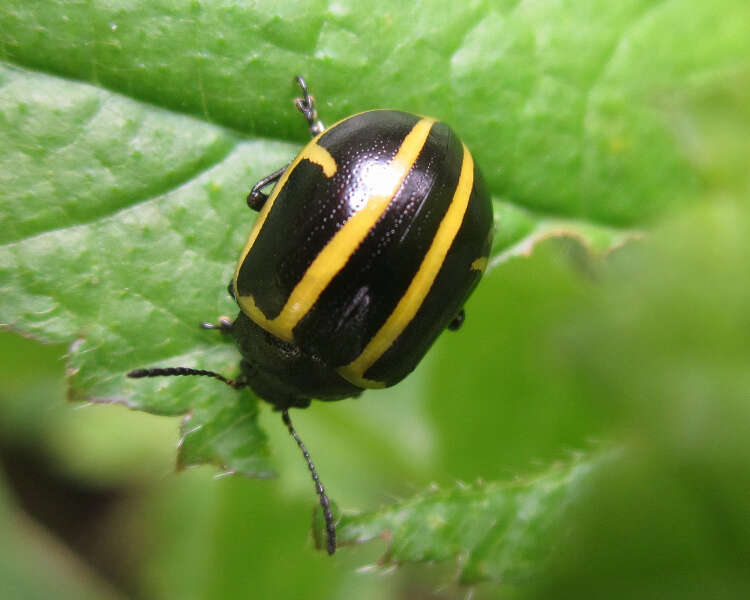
x=457, y=321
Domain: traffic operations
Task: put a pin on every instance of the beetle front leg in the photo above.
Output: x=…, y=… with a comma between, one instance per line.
x=256, y=198
x=224, y=325
x=306, y=105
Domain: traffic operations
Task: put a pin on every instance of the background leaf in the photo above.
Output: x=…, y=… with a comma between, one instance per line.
x=35, y=565
x=495, y=531
x=131, y=134
x=157, y=153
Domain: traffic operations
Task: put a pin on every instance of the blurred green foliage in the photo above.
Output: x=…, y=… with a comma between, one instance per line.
x=129, y=134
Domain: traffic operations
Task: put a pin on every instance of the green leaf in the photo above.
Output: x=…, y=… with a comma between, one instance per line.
x=226, y=434
x=101, y=254
x=494, y=531
x=518, y=232
x=132, y=133
x=672, y=358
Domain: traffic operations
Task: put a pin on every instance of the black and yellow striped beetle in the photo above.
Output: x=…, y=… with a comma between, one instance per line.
x=369, y=244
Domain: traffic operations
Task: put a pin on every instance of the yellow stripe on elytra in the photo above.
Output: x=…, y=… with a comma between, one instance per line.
x=313, y=153
x=420, y=285
x=320, y=156
x=344, y=243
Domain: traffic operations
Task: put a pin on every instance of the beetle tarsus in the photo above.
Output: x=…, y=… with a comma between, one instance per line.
x=306, y=105
x=457, y=321
x=224, y=325
x=256, y=198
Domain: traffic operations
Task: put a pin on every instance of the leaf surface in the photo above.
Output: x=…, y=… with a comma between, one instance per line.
x=494, y=531
x=132, y=132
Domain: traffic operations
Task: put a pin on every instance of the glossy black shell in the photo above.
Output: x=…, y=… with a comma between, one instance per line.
x=367, y=248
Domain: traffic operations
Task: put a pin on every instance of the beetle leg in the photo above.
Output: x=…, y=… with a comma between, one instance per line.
x=306, y=105
x=256, y=198
x=457, y=321
x=224, y=325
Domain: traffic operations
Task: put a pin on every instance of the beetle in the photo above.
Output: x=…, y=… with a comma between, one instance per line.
x=366, y=249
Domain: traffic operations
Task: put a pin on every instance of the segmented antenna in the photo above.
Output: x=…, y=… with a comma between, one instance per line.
x=180, y=371
x=325, y=503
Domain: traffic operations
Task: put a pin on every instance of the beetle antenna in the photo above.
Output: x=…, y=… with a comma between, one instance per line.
x=179, y=371
x=325, y=503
